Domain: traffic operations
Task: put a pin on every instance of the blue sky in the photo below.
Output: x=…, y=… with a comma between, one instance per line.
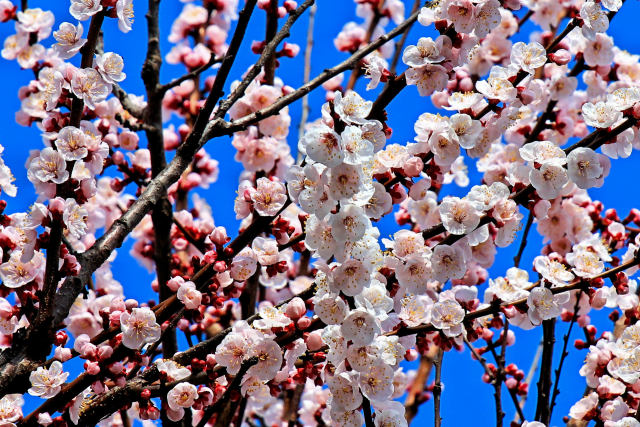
x=462, y=385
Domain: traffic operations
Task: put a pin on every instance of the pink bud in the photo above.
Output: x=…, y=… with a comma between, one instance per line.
x=62, y=354
x=264, y=4
x=117, y=304
x=131, y=303
x=465, y=85
x=314, y=341
x=210, y=257
x=174, y=283
x=116, y=368
x=510, y=311
x=184, y=130
x=413, y=167
x=105, y=352
x=171, y=139
x=580, y=130
x=440, y=99
x=526, y=96
x=56, y=206
x=290, y=5
x=511, y=338
x=282, y=12
x=98, y=387
x=560, y=56
x=487, y=334
x=88, y=351
x=128, y=140
x=80, y=341
x=411, y=355
x=290, y=50
x=183, y=324
x=603, y=70
x=511, y=383
x=257, y=46
x=220, y=266
x=92, y=368
x=219, y=236
x=304, y=322
x=295, y=309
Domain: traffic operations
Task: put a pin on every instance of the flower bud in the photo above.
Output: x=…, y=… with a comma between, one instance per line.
x=295, y=309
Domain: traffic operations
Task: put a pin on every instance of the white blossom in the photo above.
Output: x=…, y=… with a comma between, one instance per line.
x=269, y=359
x=189, y=296
x=587, y=168
x=110, y=67
x=46, y=383
x=269, y=197
x=69, y=39
x=139, y=327
x=600, y=115
x=528, y=57
x=549, y=180
x=84, y=9
x=360, y=327
x=351, y=108
x=427, y=51
x=459, y=216
x=124, y=10
x=447, y=315
x=543, y=305
x=88, y=85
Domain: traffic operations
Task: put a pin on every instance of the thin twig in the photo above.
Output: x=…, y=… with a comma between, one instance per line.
x=220, y=128
x=190, y=75
x=532, y=370
x=523, y=243
x=437, y=388
x=400, y=43
x=565, y=353
x=307, y=74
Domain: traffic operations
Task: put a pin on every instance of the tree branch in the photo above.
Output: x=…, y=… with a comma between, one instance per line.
x=437, y=388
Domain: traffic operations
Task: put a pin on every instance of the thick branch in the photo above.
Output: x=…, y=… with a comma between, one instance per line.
x=544, y=380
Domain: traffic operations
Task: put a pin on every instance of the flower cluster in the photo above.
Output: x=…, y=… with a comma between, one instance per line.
x=308, y=313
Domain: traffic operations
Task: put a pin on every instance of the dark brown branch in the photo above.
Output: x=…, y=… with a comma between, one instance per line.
x=366, y=409
x=88, y=50
x=114, y=237
x=271, y=31
x=162, y=214
x=523, y=243
x=226, y=415
x=126, y=102
x=390, y=91
x=544, y=380
x=564, y=354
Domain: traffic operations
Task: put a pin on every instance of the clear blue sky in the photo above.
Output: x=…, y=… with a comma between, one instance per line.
x=465, y=398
